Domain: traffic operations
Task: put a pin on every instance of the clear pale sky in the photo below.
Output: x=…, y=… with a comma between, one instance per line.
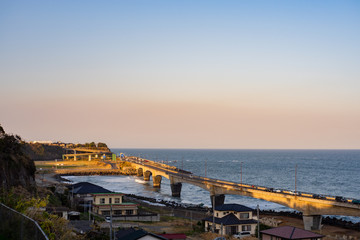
x=182, y=74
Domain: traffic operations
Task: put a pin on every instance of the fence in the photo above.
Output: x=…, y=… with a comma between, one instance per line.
x=17, y=226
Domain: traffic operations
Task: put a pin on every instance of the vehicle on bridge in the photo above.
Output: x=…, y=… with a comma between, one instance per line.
x=340, y=199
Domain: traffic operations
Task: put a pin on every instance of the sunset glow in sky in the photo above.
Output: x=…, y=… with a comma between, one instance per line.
x=182, y=74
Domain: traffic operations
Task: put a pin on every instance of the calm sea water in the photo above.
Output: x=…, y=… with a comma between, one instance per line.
x=328, y=172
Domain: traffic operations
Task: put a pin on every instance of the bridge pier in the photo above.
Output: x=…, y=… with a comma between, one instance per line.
x=157, y=181
x=312, y=222
x=139, y=172
x=176, y=189
x=147, y=175
x=219, y=199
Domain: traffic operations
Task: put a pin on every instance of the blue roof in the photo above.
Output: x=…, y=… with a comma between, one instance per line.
x=86, y=187
x=233, y=207
x=230, y=219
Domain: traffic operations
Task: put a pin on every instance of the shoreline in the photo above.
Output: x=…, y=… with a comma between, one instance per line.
x=56, y=178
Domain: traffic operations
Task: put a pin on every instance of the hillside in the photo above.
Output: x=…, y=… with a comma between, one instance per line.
x=16, y=168
x=43, y=152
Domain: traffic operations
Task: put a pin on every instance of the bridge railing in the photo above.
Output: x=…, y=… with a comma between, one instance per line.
x=243, y=185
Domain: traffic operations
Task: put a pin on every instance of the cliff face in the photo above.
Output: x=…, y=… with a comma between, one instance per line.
x=17, y=170
x=43, y=152
x=15, y=167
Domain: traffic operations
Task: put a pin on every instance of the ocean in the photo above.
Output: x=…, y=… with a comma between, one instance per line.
x=327, y=172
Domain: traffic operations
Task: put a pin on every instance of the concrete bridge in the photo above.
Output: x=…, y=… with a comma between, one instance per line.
x=85, y=153
x=312, y=206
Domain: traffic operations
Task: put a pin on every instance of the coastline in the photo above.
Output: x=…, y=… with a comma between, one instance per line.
x=203, y=211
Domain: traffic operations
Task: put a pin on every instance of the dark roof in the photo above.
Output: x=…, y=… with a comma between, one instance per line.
x=86, y=187
x=57, y=209
x=233, y=207
x=171, y=236
x=230, y=219
x=290, y=232
x=132, y=234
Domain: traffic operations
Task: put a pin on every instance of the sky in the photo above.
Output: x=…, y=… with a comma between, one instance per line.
x=182, y=74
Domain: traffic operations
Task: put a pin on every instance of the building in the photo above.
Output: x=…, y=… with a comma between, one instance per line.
x=233, y=218
x=132, y=234
x=112, y=203
x=59, y=211
x=80, y=194
x=289, y=232
x=174, y=236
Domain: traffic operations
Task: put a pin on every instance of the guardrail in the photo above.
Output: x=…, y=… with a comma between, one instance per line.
x=177, y=171
x=15, y=225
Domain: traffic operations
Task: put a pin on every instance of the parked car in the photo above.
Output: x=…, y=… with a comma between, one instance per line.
x=241, y=234
x=220, y=238
x=355, y=201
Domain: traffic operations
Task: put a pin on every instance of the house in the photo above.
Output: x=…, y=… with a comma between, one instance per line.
x=289, y=232
x=112, y=203
x=233, y=218
x=133, y=234
x=174, y=236
x=80, y=194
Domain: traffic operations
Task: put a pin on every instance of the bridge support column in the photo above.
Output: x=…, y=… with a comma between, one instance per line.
x=176, y=189
x=312, y=222
x=139, y=172
x=147, y=175
x=75, y=158
x=219, y=200
x=157, y=181
x=89, y=157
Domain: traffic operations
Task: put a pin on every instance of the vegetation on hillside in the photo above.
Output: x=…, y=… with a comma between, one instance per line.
x=92, y=145
x=15, y=167
x=18, y=191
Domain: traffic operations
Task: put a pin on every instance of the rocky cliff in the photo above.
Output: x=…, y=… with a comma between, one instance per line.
x=15, y=167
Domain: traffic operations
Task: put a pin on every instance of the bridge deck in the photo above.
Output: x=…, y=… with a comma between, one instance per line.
x=308, y=203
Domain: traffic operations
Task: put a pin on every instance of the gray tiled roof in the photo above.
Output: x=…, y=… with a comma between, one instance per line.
x=86, y=187
x=233, y=207
x=230, y=219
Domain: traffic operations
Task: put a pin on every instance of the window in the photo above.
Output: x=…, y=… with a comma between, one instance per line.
x=217, y=214
x=244, y=215
x=102, y=200
x=129, y=212
x=117, y=200
x=110, y=200
x=246, y=227
x=106, y=213
x=117, y=212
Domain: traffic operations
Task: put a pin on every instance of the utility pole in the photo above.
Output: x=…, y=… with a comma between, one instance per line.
x=205, y=165
x=258, y=222
x=241, y=163
x=111, y=222
x=295, y=177
x=213, y=225
x=90, y=211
